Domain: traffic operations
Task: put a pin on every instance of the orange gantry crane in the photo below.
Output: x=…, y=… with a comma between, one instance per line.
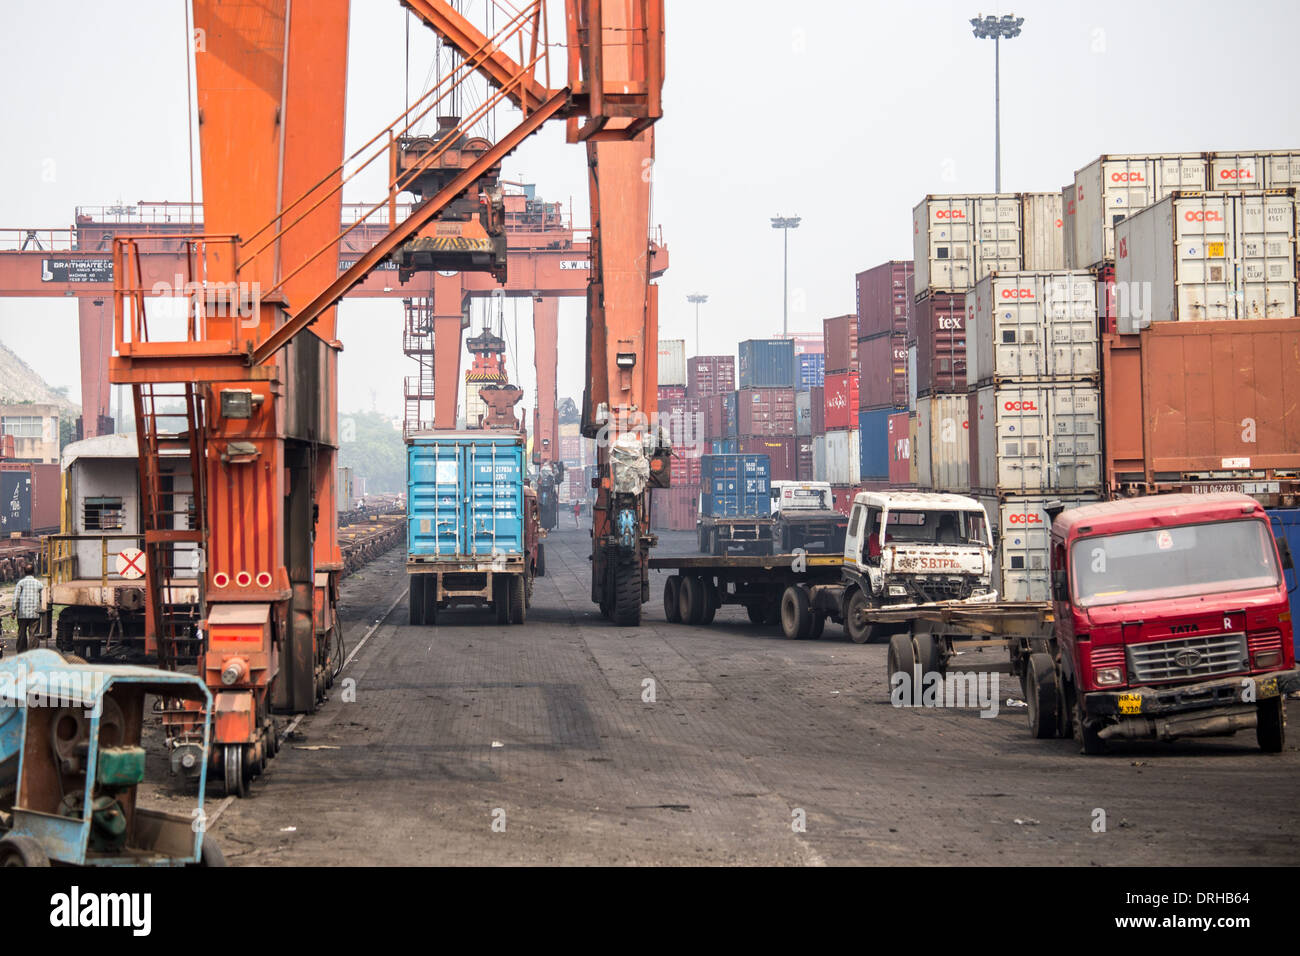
x=247, y=385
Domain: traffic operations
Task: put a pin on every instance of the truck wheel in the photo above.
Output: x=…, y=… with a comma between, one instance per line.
x=1270, y=730
x=927, y=651
x=711, y=602
x=416, y=600
x=900, y=659
x=1043, y=697
x=691, y=600
x=796, y=620
x=856, y=624
x=540, y=567
x=672, y=599
x=518, y=610
x=818, y=625
x=210, y=854
x=18, y=850
x=501, y=600
x=626, y=611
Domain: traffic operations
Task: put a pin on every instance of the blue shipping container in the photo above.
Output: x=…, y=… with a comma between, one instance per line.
x=724, y=446
x=465, y=494
x=766, y=363
x=873, y=443
x=730, y=427
x=1286, y=527
x=812, y=371
x=735, y=486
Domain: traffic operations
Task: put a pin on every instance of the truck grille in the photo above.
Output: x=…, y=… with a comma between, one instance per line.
x=1187, y=657
x=945, y=589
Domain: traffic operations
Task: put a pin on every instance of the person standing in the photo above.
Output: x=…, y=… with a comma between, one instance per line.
x=27, y=605
x=577, y=513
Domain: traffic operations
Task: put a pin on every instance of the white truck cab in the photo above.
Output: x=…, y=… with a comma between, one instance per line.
x=804, y=517
x=918, y=547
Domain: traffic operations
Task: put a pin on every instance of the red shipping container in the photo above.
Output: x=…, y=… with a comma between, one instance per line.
x=765, y=411
x=911, y=309
x=805, y=343
x=941, y=343
x=783, y=453
x=710, y=374
x=900, y=450
x=841, y=401
x=884, y=303
x=817, y=403
x=842, y=498
x=841, y=335
x=671, y=394
x=803, y=465
x=674, y=509
x=883, y=380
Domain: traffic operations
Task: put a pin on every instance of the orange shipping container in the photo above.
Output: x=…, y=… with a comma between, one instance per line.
x=1217, y=401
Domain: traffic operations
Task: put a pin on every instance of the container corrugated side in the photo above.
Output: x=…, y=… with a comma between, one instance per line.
x=843, y=456
x=1044, y=233
x=883, y=299
x=1286, y=527
x=900, y=449
x=672, y=362
x=1255, y=169
x=735, y=486
x=465, y=495
x=959, y=239
x=941, y=343
x=766, y=363
x=782, y=455
x=841, y=399
x=841, y=337
x=1031, y=326
x=942, y=446
x=708, y=375
x=883, y=381
x=819, y=457
x=873, y=444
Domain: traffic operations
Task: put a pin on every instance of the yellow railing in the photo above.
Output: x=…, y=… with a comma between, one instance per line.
x=61, y=557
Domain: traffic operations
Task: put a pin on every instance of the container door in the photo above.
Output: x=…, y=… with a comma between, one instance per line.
x=1075, y=456
x=1266, y=257
x=494, y=505
x=433, y=499
x=1070, y=314
x=1021, y=429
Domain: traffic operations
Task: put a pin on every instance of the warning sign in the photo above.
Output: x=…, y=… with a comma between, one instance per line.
x=130, y=563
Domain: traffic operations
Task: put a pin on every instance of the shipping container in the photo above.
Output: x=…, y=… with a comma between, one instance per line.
x=344, y=493
x=873, y=444
x=1258, y=169
x=1035, y=439
x=31, y=496
x=708, y=375
x=941, y=343
x=843, y=456
x=942, y=447
x=1043, y=241
x=805, y=343
x=724, y=446
x=765, y=412
x=842, y=497
x=812, y=370
x=734, y=486
x=1106, y=309
x=819, y=457
x=841, y=400
x=803, y=419
x=957, y=240
x=1021, y=537
x=1286, y=527
x=883, y=381
x=1202, y=401
x=766, y=363
x=1207, y=256
x=670, y=395
x=730, y=415
x=900, y=449
x=841, y=337
x=884, y=303
x=782, y=454
x=465, y=494
x=15, y=502
x=675, y=508
x=911, y=377
x=1030, y=326
x=911, y=470
x=803, y=464
x=672, y=362
x=1112, y=188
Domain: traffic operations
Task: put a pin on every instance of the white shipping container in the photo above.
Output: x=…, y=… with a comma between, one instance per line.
x=1043, y=240
x=1021, y=541
x=1034, y=439
x=672, y=362
x=1032, y=325
x=1200, y=256
x=1112, y=188
x=843, y=464
x=959, y=239
x=1256, y=169
x=819, y=458
x=942, y=447
x=1067, y=226
x=803, y=413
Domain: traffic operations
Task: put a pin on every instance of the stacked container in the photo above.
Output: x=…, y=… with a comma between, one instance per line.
x=812, y=370
x=708, y=375
x=1034, y=411
x=764, y=405
x=686, y=421
x=842, y=454
x=884, y=317
x=672, y=362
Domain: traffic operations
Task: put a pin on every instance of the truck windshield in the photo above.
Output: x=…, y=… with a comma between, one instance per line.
x=1164, y=563
x=935, y=527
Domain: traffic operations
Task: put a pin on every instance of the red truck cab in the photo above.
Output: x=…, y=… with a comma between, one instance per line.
x=1171, y=620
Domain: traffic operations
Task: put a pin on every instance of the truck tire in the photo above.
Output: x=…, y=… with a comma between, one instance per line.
x=16, y=850
x=711, y=602
x=1043, y=696
x=501, y=599
x=540, y=569
x=818, y=625
x=626, y=611
x=672, y=599
x=517, y=612
x=900, y=659
x=856, y=625
x=1270, y=729
x=796, y=619
x=926, y=648
x=415, y=600
x=691, y=600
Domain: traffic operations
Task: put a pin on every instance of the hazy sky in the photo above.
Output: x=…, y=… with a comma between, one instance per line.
x=843, y=113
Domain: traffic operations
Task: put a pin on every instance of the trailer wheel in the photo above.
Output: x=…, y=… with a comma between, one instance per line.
x=415, y=599
x=856, y=624
x=1270, y=728
x=691, y=600
x=540, y=567
x=518, y=610
x=900, y=659
x=712, y=601
x=672, y=599
x=1043, y=697
x=19, y=850
x=796, y=620
x=818, y=625
x=210, y=853
x=927, y=652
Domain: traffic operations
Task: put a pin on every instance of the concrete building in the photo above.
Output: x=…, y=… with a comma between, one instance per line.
x=35, y=431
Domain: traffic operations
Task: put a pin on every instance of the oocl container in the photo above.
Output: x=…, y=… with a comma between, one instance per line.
x=672, y=362
x=1021, y=538
x=1033, y=439
x=1259, y=169
x=1043, y=239
x=1028, y=326
x=942, y=446
x=1203, y=256
x=766, y=363
x=883, y=299
x=957, y=240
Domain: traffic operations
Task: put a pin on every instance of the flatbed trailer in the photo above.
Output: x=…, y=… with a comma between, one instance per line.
x=755, y=581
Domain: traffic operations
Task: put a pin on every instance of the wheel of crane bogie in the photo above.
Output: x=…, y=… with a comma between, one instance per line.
x=232, y=767
x=627, y=593
x=17, y=850
x=796, y=618
x=672, y=599
x=518, y=608
x=415, y=599
x=252, y=763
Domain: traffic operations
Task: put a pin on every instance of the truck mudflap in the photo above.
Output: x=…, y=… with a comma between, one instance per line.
x=1185, y=698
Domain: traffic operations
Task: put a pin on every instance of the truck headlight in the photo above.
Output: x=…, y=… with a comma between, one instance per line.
x=1108, y=675
x=897, y=590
